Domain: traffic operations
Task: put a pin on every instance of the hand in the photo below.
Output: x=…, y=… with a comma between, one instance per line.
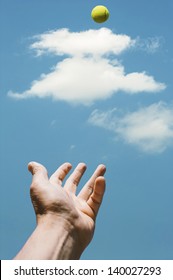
x=51, y=199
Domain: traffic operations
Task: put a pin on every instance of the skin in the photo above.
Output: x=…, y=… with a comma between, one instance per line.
x=65, y=220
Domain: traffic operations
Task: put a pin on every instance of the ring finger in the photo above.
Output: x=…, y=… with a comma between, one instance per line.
x=74, y=179
x=59, y=175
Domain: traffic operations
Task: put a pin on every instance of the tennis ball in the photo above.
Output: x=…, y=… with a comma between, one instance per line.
x=100, y=14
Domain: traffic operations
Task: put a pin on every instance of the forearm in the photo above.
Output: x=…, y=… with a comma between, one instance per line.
x=51, y=240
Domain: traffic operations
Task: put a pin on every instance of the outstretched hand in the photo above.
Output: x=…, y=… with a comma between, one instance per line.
x=51, y=199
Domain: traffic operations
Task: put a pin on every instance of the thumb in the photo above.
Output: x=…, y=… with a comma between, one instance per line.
x=38, y=171
x=96, y=197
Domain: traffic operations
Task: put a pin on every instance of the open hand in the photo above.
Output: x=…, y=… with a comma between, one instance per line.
x=51, y=198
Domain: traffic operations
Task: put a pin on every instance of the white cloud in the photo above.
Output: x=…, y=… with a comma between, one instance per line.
x=150, y=128
x=84, y=80
x=95, y=42
x=150, y=45
x=87, y=75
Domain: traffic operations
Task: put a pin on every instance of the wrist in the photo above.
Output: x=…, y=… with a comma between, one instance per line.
x=53, y=239
x=62, y=234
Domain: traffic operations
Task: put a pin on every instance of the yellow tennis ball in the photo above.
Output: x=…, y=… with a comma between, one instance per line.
x=100, y=14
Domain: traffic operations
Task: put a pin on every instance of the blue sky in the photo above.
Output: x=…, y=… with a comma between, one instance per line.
x=74, y=90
